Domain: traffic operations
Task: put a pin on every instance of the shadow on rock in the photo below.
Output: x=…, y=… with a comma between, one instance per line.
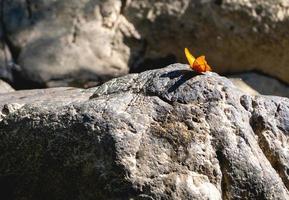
x=184, y=75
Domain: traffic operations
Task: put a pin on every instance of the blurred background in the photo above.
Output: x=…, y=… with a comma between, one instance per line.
x=83, y=43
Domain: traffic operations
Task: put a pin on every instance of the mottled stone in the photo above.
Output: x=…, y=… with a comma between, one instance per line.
x=161, y=134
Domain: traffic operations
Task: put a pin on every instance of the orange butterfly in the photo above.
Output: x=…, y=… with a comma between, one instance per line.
x=198, y=64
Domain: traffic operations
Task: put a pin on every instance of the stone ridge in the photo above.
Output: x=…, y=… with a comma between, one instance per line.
x=161, y=134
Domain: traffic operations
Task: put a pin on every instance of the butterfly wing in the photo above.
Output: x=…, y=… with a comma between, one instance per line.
x=190, y=57
x=201, y=65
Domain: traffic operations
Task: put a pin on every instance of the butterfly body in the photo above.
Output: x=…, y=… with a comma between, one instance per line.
x=198, y=64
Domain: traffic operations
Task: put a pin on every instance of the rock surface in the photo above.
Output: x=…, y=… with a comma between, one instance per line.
x=160, y=134
x=93, y=40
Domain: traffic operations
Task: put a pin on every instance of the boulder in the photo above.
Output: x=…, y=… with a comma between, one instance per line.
x=161, y=134
x=58, y=42
x=263, y=84
x=243, y=86
x=77, y=41
x=5, y=87
x=235, y=35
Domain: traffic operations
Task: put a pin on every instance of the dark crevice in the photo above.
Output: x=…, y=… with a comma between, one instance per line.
x=3, y=46
x=20, y=82
x=5, y=110
x=245, y=102
x=29, y=10
x=75, y=29
x=139, y=48
x=224, y=182
x=258, y=124
x=74, y=33
x=218, y=2
x=14, y=50
x=123, y=6
x=5, y=71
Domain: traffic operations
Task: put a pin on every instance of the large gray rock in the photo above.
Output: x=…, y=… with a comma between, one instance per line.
x=244, y=87
x=263, y=84
x=75, y=40
x=235, y=35
x=68, y=42
x=161, y=134
x=5, y=87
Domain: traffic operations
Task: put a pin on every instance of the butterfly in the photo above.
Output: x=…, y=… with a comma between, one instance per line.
x=198, y=64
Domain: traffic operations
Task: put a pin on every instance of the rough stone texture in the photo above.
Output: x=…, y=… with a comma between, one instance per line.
x=93, y=40
x=161, y=134
x=263, y=84
x=5, y=87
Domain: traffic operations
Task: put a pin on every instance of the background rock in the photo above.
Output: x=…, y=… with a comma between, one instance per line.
x=73, y=42
x=67, y=40
x=235, y=35
x=5, y=87
x=5, y=62
x=161, y=134
x=244, y=87
x=264, y=84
